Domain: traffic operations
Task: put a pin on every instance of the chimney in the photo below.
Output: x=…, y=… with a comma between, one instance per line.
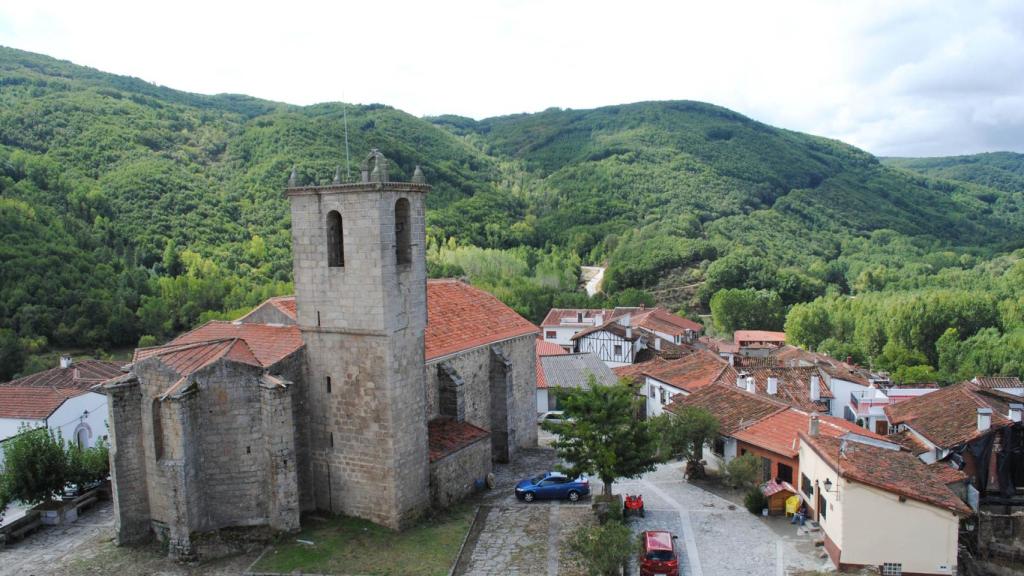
x=813, y=428
x=773, y=385
x=750, y=384
x=984, y=419
x=598, y=319
x=741, y=380
x=657, y=344
x=629, y=332
x=815, y=388
x=65, y=361
x=732, y=360
x=1016, y=411
x=849, y=360
x=626, y=319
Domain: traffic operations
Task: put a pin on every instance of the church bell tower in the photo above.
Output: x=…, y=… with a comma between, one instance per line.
x=360, y=285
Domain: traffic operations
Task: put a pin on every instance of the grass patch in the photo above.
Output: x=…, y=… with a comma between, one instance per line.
x=345, y=545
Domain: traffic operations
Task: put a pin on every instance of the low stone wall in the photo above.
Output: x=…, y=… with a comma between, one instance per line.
x=455, y=476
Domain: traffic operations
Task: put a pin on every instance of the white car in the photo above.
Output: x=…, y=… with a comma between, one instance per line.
x=551, y=416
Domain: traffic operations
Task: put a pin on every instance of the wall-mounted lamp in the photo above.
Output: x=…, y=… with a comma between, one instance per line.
x=828, y=485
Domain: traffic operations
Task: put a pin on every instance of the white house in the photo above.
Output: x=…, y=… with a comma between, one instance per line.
x=616, y=343
x=879, y=506
x=60, y=399
x=561, y=324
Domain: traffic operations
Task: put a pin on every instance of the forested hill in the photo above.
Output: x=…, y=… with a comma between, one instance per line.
x=1000, y=170
x=132, y=211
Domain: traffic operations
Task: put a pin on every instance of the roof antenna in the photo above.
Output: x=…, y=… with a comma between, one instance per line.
x=344, y=114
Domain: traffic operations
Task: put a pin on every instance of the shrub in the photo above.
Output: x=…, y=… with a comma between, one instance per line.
x=604, y=549
x=755, y=501
x=743, y=472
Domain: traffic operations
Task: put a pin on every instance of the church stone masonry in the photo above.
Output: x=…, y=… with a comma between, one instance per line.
x=363, y=319
x=342, y=398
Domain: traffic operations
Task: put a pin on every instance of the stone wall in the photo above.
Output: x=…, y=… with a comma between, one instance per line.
x=363, y=326
x=454, y=477
x=474, y=367
x=127, y=463
x=218, y=452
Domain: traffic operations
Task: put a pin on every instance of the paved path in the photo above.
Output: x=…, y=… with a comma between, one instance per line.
x=716, y=540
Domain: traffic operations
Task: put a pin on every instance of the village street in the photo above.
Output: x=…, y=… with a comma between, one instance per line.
x=513, y=537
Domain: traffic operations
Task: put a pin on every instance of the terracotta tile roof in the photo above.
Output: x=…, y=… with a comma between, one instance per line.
x=895, y=471
x=545, y=349
x=268, y=343
x=794, y=385
x=461, y=317
x=81, y=375
x=948, y=417
x=734, y=409
x=780, y=431
x=33, y=402
x=993, y=382
x=718, y=345
x=910, y=441
x=555, y=315
x=946, y=473
x=758, y=336
x=634, y=372
x=661, y=320
x=446, y=436
x=549, y=348
x=691, y=372
x=789, y=355
x=612, y=327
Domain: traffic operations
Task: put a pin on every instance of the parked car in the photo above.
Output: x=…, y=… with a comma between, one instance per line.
x=555, y=416
x=553, y=485
x=658, y=554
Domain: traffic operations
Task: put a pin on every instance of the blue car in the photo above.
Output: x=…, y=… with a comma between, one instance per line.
x=553, y=485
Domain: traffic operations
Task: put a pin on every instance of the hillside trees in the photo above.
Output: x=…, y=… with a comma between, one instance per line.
x=735, y=309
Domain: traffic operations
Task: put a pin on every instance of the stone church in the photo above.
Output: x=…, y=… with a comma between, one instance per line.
x=372, y=392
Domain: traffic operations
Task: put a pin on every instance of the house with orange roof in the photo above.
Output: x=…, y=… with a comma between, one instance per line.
x=878, y=506
x=968, y=427
x=660, y=380
x=372, y=392
x=61, y=398
x=635, y=335
x=561, y=324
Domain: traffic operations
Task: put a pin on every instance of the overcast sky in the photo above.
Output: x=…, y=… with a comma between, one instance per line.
x=896, y=78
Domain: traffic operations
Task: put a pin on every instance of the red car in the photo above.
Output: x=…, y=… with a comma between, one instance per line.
x=658, y=554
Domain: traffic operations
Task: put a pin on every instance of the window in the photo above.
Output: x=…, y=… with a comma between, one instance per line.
x=785, y=473
x=335, y=241
x=82, y=436
x=805, y=486
x=766, y=469
x=892, y=569
x=550, y=335
x=158, y=432
x=403, y=232
x=822, y=505
x=664, y=396
x=328, y=382
x=654, y=391
x=718, y=447
x=618, y=349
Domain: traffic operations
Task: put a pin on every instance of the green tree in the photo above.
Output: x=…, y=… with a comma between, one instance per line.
x=604, y=549
x=12, y=355
x=743, y=471
x=603, y=434
x=86, y=465
x=685, y=432
x=807, y=325
x=734, y=309
x=35, y=465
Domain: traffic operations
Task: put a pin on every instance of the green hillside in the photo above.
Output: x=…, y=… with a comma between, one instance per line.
x=999, y=170
x=132, y=211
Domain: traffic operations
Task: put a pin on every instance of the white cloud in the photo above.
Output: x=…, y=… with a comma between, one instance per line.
x=908, y=79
